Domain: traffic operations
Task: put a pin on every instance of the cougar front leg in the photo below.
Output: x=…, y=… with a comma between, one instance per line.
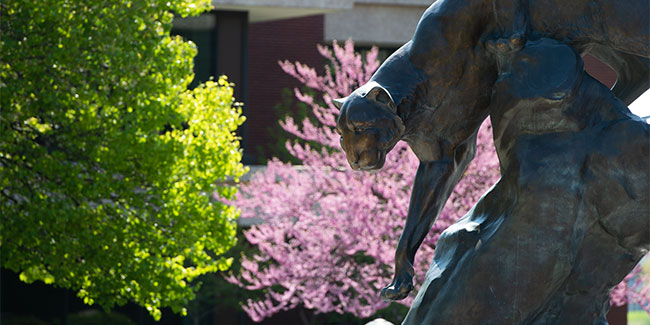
x=434, y=182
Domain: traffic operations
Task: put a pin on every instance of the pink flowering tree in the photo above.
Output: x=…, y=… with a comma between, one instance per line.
x=329, y=233
x=635, y=288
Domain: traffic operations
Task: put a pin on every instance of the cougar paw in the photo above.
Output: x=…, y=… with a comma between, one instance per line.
x=398, y=289
x=506, y=45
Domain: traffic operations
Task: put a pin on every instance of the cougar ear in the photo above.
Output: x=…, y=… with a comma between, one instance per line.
x=338, y=102
x=379, y=94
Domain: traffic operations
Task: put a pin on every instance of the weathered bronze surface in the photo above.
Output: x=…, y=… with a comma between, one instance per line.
x=570, y=216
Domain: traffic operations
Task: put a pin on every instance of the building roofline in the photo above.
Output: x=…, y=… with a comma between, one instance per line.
x=267, y=10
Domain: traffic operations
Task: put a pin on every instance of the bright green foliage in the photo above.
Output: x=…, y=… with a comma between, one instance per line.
x=107, y=162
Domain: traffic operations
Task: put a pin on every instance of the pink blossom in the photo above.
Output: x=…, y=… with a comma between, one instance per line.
x=329, y=233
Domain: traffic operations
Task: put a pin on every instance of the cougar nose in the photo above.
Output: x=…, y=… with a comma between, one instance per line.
x=355, y=164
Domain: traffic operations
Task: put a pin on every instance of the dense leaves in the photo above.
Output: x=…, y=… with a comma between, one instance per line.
x=107, y=161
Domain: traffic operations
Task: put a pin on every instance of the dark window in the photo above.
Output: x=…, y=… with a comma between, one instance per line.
x=201, y=31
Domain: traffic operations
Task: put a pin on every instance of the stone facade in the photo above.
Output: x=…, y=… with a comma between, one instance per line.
x=268, y=10
x=344, y=19
x=382, y=23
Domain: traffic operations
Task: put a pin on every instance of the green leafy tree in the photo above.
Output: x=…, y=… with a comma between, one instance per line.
x=107, y=161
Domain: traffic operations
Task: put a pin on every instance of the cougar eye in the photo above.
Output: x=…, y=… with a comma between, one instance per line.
x=359, y=129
